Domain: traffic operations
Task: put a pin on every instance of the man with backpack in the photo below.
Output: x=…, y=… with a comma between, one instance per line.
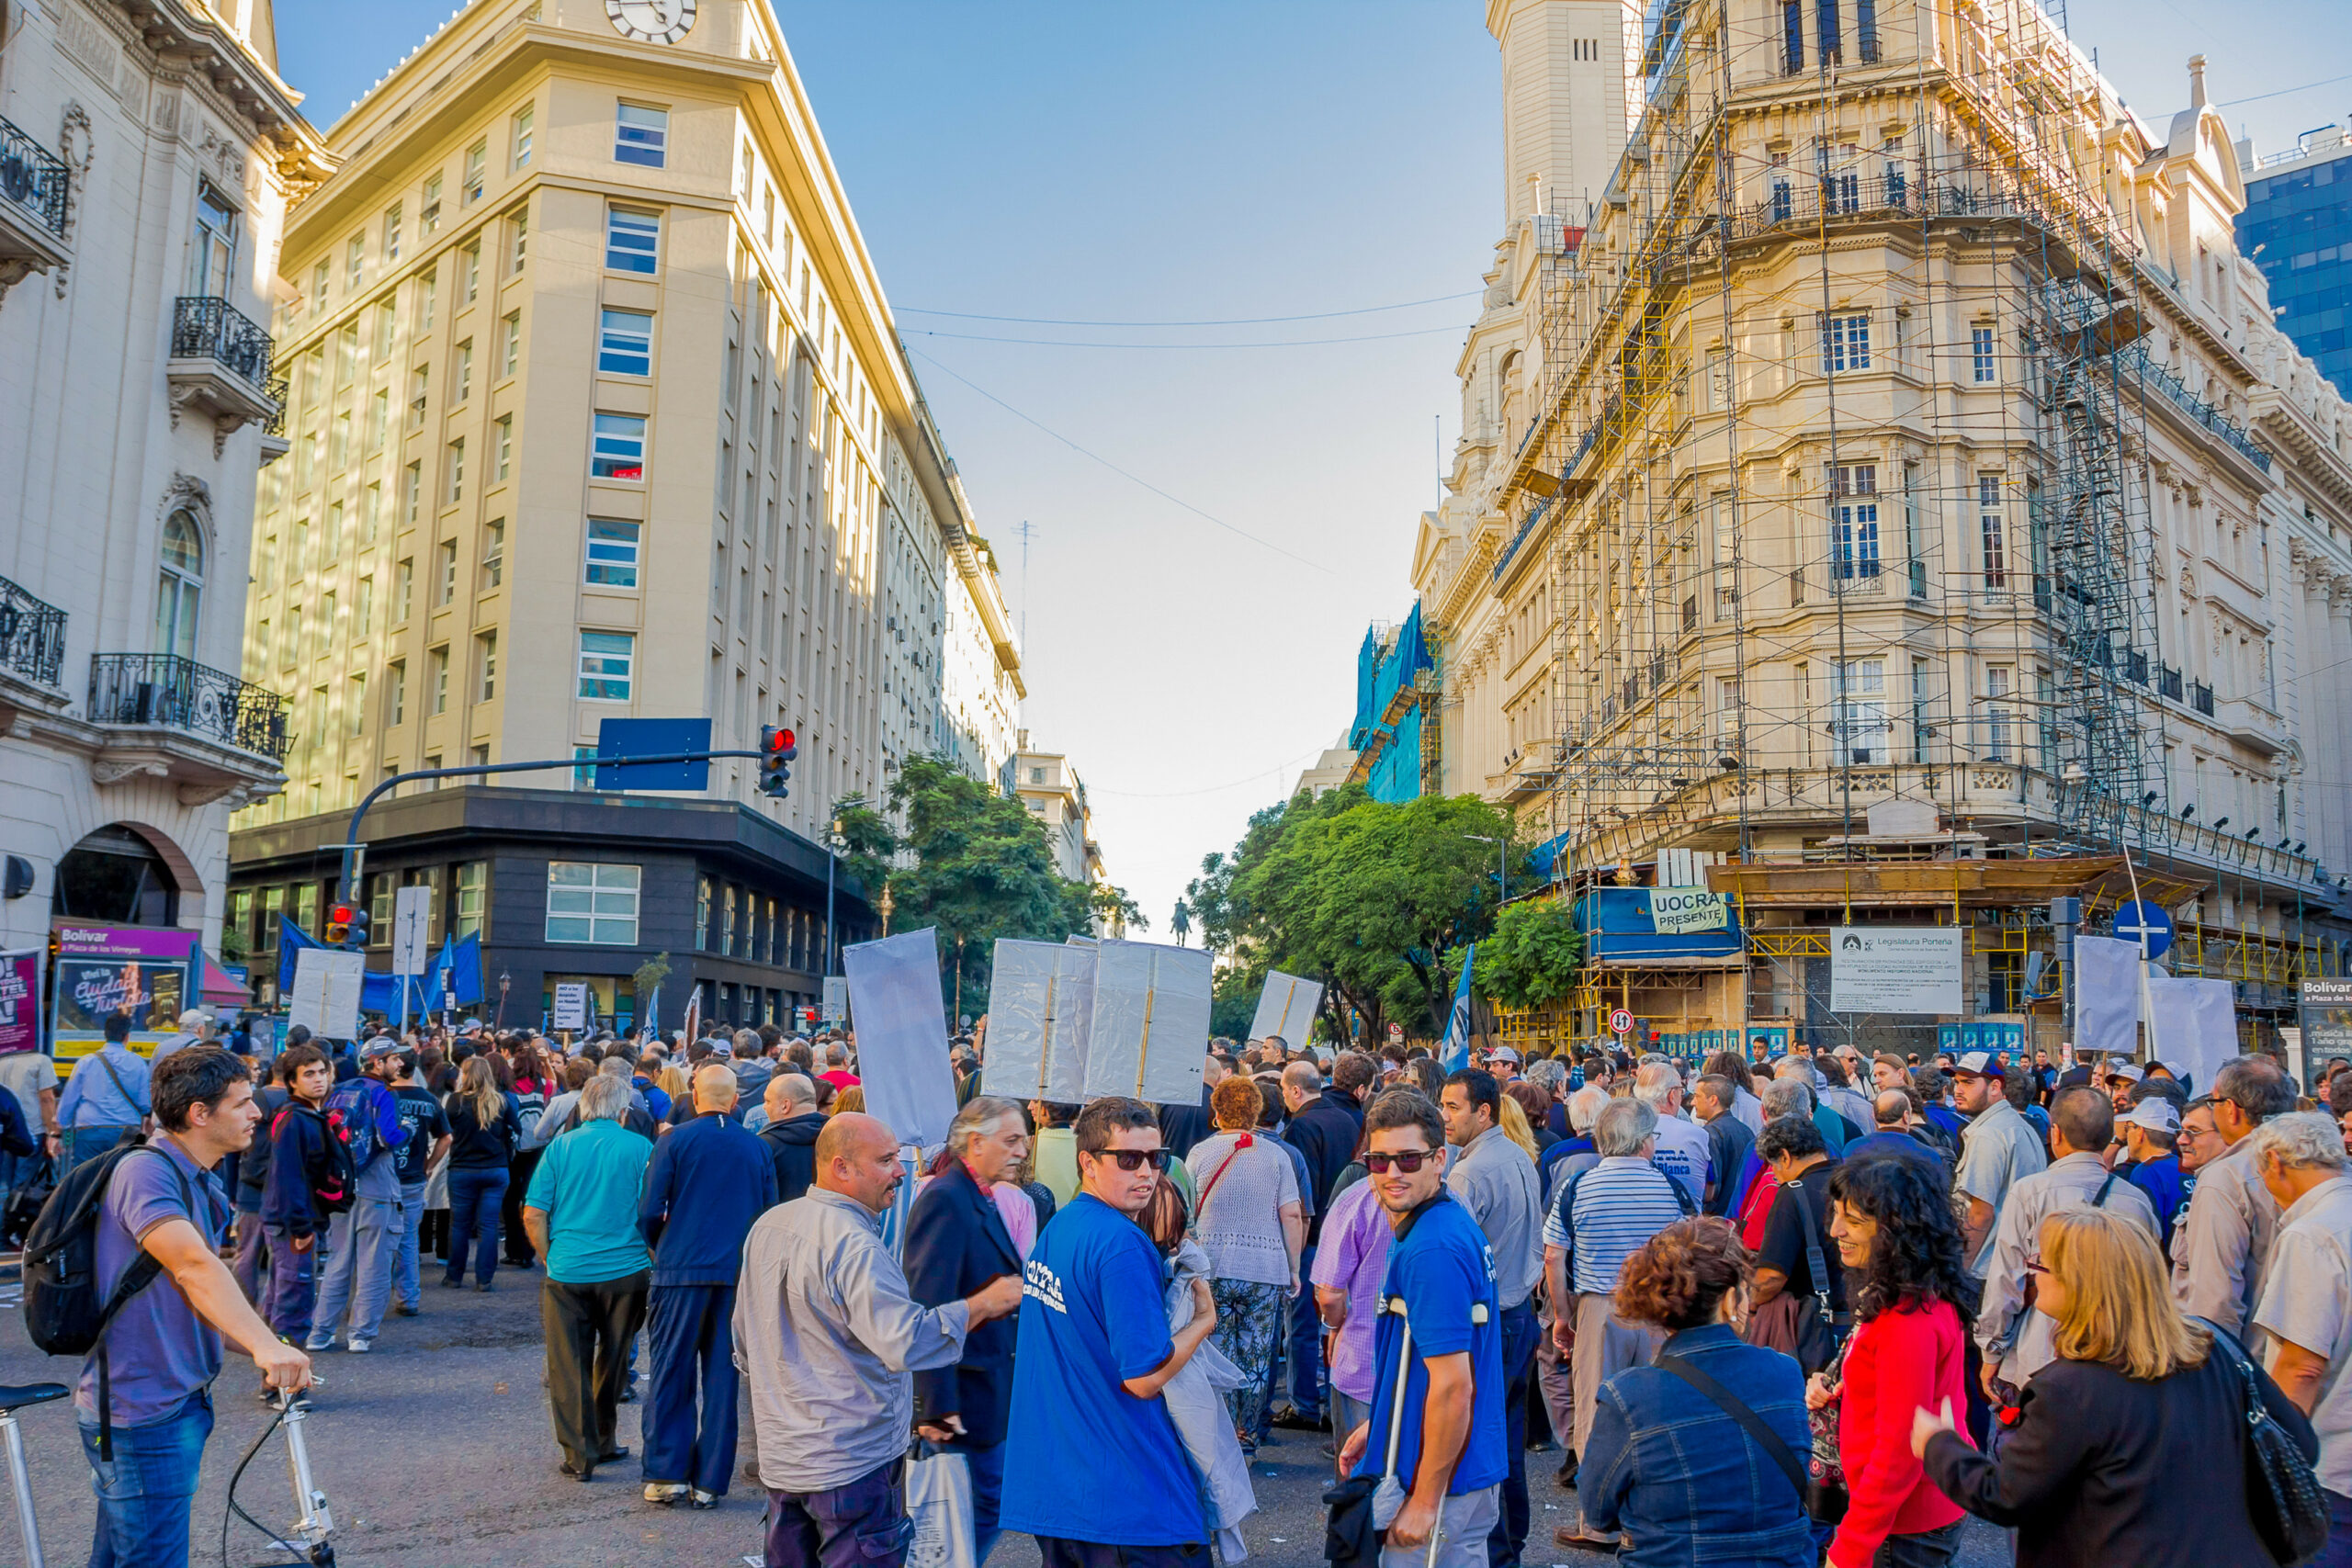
x=306, y=1176
x=138, y=1231
x=104, y=1102
x=363, y=1241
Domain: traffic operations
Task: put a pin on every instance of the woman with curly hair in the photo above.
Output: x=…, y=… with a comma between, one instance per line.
x=1667, y=1466
x=1247, y=1219
x=1892, y=1221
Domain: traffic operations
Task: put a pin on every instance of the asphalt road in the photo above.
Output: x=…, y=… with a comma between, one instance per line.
x=434, y=1450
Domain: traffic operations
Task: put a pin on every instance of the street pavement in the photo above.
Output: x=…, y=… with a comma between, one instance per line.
x=434, y=1451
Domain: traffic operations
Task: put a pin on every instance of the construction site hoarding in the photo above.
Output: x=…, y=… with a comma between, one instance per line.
x=1913, y=969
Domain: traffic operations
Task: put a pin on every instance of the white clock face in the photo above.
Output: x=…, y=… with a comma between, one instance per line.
x=651, y=21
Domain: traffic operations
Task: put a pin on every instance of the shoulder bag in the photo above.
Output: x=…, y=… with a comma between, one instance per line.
x=1822, y=1503
x=2282, y=1492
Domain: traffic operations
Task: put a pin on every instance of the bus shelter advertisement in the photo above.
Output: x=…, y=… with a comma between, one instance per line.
x=146, y=973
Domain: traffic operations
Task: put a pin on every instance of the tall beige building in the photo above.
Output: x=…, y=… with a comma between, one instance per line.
x=1894, y=491
x=597, y=412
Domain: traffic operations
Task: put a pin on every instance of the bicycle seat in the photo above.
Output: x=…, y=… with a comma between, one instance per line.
x=16, y=1396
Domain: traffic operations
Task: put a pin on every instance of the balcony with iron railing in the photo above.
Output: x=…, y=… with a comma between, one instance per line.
x=163, y=691
x=274, y=443
x=33, y=647
x=220, y=366
x=34, y=184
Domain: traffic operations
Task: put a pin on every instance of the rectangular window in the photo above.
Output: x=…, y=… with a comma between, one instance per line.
x=413, y=494
x=457, y=469
x=362, y=609
x=306, y=907
x=472, y=889
x=727, y=922
x=355, y=264
x=505, y=449
x=1997, y=688
x=1853, y=522
x=380, y=418
x=320, y=275
x=592, y=902
x=1980, y=355
x=1826, y=23
x=1992, y=528
x=510, y=356
x=469, y=265
x=447, y=579
x=1792, y=36
x=464, y=370
x=607, y=663
x=392, y=234
x=632, y=239
x=403, y=586
x=1862, y=733
x=641, y=135
x=477, y=167
x=354, y=707
x=437, y=676
x=1919, y=727
x=429, y=219
x=584, y=767
x=624, y=345
x=1846, y=343
x=518, y=239
x=1783, y=201
x=419, y=383
x=485, y=667
x=428, y=294
x=493, y=554
x=619, y=449
x=703, y=891
x=612, y=553
x=519, y=137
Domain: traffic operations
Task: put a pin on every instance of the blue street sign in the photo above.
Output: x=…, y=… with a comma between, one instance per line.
x=2144, y=923
x=653, y=737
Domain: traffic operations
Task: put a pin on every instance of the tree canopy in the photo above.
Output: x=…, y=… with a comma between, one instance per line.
x=1530, y=959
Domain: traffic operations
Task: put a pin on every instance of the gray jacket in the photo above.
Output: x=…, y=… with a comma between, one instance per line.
x=2013, y=1335
x=827, y=1336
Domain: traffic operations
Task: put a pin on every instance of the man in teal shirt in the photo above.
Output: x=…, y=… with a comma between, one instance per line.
x=581, y=1215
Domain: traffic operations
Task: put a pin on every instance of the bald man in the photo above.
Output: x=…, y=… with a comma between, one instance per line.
x=709, y=1181
x=790, y=1136
x=831, y=1334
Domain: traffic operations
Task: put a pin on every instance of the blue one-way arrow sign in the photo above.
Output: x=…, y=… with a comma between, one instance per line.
x=2144, y=923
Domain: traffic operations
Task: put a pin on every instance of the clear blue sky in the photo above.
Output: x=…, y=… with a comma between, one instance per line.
x=1204, y=161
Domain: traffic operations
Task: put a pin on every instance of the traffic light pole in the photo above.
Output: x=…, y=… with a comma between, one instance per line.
x=355, y=852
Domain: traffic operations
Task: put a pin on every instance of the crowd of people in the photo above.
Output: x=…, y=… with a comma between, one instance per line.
x=1824, y=1305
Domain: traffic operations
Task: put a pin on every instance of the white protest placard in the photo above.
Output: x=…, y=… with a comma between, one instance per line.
x=1896, y=968
x=1150, y=1028
x=1286, y=1007
x=1040, y=1003
x=836, y=999
x=412, y=925
x=2192, y=1027
x=326, y=992
x=2106, y=998
x=571, y=1005
x=902, y=1035
x=1677, y=911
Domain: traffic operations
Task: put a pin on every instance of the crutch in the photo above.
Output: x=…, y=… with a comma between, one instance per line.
x=13, y=1399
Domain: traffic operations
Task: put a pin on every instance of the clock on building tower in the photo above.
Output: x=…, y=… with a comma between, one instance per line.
x=651, y=21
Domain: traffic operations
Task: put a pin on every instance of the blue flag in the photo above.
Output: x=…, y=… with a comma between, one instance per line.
x=465, y=963
x=1455, y=1053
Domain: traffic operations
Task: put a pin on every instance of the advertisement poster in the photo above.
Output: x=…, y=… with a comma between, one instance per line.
x=1897, y=969
x=20, y=1001
x=146, y=972
x=2326, y=1026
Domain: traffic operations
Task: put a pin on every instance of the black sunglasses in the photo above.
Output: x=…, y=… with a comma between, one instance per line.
x=1409, y=1161
x=1136, y=1160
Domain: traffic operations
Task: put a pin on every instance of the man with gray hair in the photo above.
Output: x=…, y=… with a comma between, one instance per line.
x=1599, y=1220
x=2306, y=1306
x=1683, y=1150
x=582, y=1216
x=2223, y=1242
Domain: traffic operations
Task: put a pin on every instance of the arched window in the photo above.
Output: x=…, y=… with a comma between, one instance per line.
x=181, y=586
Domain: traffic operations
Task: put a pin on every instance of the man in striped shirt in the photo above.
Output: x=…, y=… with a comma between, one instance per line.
x=1605, y=1216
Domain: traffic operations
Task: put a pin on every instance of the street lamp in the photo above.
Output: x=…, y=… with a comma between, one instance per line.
x=886, y=904
x=1502, y=865
x=504, y=980
x=833, y=858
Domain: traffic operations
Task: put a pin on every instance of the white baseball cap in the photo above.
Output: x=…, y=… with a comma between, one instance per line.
x=2130, y=1072
x=1980, y=1065
x=2155, y=1114
x=1503, y=1054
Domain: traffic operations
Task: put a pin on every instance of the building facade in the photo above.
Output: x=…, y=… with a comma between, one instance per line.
x=147, y=156
x=597, y=412
x=2297, y=227
x=1051, y=790
x=1900, y=423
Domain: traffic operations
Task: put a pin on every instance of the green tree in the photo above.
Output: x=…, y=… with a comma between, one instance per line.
x=1532, y=955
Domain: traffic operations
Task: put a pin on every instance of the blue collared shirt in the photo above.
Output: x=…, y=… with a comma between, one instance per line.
x=91, y=1099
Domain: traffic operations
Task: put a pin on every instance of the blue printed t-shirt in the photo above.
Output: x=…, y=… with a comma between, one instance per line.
x=1442, y=1268
x=158, y=1350
x=1098, y=1465
x=423, y=1123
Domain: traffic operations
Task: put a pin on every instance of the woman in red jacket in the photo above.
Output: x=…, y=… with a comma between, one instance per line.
x=1895, y=1235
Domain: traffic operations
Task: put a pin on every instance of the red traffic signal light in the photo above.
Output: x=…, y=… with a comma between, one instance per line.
x=778, y=746
x=339, y=923
x=781, y=742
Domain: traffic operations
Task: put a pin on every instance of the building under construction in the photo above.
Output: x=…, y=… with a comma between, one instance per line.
x=1883, y=497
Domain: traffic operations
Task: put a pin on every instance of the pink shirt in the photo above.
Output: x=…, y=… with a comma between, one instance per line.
x=1353, y=1255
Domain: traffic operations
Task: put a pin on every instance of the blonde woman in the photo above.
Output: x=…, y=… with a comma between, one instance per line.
x=484, y=1131
x=2128, y=1447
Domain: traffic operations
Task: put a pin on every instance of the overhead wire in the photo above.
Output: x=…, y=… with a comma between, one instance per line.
x=1275, y=343
x=1223, y=322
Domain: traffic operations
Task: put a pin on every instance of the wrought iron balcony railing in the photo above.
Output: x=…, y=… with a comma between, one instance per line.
x=32, y=178
x=213, y=329
x=165, y=690
x=32, y=636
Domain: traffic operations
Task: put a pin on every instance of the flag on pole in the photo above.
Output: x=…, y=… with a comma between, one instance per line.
x=650, y=1026
x=1455, y=1053
x=693, y=1015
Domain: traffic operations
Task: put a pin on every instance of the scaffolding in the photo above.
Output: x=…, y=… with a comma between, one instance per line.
x=1784, y=585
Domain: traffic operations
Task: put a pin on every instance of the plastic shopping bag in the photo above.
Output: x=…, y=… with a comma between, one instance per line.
x=939, y=1505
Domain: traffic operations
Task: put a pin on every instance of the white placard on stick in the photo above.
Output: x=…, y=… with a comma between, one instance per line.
x=326, y=992
x=571, y=1005
x=1040, y=1003
x=902, y=1035
x=1286, y=1007
x=1151, y=1023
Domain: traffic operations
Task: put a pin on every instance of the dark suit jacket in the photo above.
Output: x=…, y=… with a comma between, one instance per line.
x=1182, y=1126
x=1326, y=1133
x=956, y=1243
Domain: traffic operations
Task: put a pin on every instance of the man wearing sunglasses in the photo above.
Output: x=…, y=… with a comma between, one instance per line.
x=1451, y=1450
x=1103, y=1481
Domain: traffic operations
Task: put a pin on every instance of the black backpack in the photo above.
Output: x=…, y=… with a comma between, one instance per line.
x=63, y=1314
x=334, y=1188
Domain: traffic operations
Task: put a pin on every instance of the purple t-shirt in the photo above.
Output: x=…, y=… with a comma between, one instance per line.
x=158, y=1350
x=1353, y=1257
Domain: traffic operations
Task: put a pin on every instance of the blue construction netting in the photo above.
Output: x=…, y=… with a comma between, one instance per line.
x=1386, y=664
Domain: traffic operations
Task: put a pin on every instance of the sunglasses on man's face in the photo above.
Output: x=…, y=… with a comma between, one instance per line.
x=1409, y=1161
x=1136, y=1160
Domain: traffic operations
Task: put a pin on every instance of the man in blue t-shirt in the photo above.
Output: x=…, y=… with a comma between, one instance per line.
x=1103, y=1481
x=1452, y=1453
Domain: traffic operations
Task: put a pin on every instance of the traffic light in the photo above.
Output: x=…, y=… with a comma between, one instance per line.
x=355, y=926
x=339, y=925
x=777, y=748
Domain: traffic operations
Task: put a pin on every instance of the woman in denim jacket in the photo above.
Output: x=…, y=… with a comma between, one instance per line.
x=1666, y=1467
